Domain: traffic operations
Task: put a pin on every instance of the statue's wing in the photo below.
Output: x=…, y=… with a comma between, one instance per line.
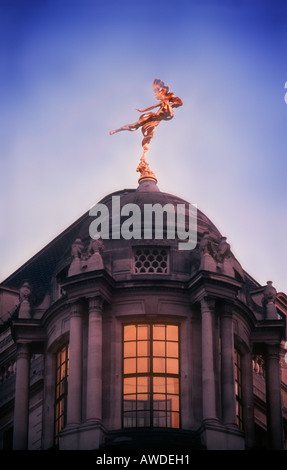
x=159, y=85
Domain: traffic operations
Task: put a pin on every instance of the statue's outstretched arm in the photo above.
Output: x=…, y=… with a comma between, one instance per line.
x=149, y=108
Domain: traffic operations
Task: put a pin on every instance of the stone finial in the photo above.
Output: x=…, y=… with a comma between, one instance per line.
x=25, y=294
x=269, y=292
x=268, y=301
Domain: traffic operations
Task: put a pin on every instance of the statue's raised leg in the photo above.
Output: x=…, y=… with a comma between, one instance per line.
x=127, y=127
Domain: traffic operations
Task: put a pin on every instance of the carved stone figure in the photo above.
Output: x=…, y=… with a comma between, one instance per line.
x=95, y=246
x=76, y=253
x=216, y=257
x=223, y=258
x=77, y=248
x=206, y=250
x=223, y=250
x=95, y=260
x=148, y=121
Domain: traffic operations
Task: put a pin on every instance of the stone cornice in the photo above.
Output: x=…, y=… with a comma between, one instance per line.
x=213, y=285
x=29, y=331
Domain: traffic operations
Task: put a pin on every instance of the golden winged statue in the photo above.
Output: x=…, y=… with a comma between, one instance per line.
x=148, y=121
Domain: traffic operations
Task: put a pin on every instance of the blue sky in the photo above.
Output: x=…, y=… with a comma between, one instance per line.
x=71, y=71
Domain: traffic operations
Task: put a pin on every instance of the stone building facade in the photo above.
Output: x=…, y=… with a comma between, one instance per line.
x=133, y=344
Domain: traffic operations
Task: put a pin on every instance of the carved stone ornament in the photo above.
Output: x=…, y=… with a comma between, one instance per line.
x=216, y=256
x=89, y=259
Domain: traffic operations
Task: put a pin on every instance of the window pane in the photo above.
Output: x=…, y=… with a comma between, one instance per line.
x=63, y=356
x=142, y=348
x=129, y=332
x=130, y=366
x=143, y=401
x=142, y=332
x=159, y=365
x=171, y=349
x=130, y=349
x=159, y=401
x=175, y=420
x=159, y=419
x=159, y=348
x=172, y=385
x=142, y=384
x=142, y=365
x=159, y=332
x=172, y=366
x=130, y=385
x=63, y=371
x=143, y=419
x=159, y=384
x=130, y=419
x=130, y=403
x=172, y=333
x=173, y=402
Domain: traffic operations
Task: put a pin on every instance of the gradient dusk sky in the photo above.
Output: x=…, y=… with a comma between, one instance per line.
x=72, y=70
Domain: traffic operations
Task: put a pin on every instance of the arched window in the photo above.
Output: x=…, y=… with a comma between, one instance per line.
x=151, y=375
x=62, y=374
x=238, y=389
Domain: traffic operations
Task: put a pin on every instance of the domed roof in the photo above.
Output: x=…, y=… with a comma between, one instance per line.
x=119, y=251
x=55, y=258
x=148, y=193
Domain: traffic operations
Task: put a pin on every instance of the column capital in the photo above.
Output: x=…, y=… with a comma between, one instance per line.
x=75, y=308
x=272, y=351
x=207, y=304
x=23, y=350
x=96, y=304
x=226, y=308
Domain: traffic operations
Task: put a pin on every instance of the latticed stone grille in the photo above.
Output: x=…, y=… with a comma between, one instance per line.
x=151, y=260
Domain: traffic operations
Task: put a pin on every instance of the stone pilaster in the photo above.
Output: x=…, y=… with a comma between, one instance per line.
x=227, y=366
x=75, y=366
x=94, y=369
x=273, y=396
x=208, y=372
x=21, y=408
x=248, y=409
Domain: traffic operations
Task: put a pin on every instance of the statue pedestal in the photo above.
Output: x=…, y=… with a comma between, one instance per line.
x=146, y=172
x=76, y=267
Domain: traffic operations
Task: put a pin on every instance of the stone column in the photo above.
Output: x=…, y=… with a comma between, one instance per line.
x=208, y=373
x=94, y=367
x=227, y=367
x=21, y=408
x=273, y=397
x=75, y=366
